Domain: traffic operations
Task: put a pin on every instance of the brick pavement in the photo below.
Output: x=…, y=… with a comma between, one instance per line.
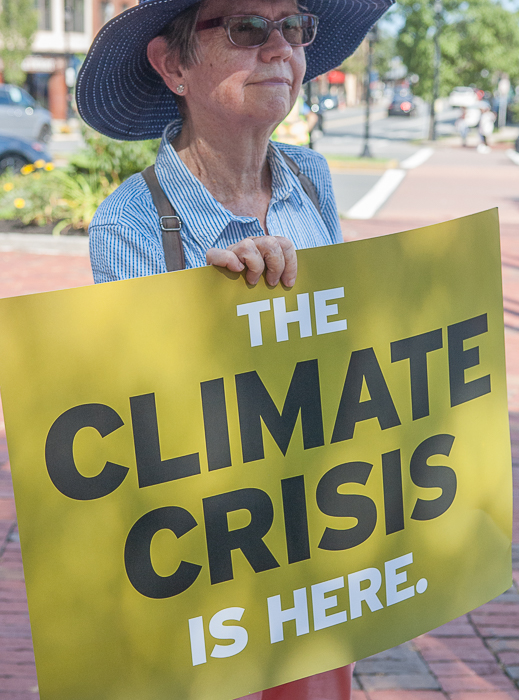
x=473, y=658
x=477, y=656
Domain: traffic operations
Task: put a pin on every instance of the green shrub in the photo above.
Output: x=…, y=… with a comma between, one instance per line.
x=513, y=111
x=69, y=197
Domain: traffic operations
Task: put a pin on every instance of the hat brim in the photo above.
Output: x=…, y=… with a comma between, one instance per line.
x=119, y=94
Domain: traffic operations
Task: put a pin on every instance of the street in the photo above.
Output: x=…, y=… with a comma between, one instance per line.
x=392, y=141
x=393, y=137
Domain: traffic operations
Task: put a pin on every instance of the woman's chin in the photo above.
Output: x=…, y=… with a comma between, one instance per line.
x=269, y=111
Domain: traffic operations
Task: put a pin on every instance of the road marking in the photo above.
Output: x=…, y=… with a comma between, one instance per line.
x=417, y=158
x=368, y=206
x=513, y=155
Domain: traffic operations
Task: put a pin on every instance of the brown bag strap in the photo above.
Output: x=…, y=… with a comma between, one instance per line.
x=307, y=185
x=170, y=223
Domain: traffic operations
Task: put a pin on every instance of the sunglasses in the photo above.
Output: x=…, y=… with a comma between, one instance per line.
x=251, y=31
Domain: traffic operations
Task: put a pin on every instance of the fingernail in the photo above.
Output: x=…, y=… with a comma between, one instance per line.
x=291, y=282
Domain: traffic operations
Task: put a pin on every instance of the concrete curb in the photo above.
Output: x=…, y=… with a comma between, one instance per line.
x=42, y=244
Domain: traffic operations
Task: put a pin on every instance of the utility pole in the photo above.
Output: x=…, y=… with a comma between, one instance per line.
x=372, y=36
x=438, y=17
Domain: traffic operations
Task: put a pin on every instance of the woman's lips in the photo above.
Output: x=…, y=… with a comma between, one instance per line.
x=273, y=81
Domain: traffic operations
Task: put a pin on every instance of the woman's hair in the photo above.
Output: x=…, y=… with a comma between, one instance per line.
x=181, y=36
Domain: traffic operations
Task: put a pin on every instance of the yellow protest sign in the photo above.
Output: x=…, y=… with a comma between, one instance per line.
x=221, y=488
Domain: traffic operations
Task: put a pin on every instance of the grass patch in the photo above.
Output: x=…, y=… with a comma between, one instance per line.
x=339, y=162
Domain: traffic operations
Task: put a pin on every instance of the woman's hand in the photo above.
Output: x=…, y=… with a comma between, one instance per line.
x=276, y=253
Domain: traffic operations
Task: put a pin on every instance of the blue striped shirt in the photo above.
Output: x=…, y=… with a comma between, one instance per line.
x=125, y=236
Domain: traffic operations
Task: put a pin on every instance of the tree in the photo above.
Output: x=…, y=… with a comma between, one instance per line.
x=18, y=24
x=383, y=52
x=479, y=39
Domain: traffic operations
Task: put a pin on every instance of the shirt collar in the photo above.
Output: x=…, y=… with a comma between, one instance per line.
x=195, y=204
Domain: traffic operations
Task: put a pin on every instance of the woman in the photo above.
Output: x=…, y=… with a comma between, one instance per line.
x=217, y=77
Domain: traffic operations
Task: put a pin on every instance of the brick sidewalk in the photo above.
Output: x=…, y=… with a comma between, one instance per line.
x=477, y=656
x=473, y=658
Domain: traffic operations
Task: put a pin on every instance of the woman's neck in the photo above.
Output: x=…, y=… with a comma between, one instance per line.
x=231, y=164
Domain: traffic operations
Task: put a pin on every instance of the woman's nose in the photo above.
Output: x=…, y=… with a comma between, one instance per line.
x=276, y=46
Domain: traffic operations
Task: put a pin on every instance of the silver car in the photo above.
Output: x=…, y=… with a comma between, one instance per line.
x=21, y=116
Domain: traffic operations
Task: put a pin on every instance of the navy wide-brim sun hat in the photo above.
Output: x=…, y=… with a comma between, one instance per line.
x=119, y=94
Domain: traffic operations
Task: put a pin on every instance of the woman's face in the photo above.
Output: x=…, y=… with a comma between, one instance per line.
x=241, y=86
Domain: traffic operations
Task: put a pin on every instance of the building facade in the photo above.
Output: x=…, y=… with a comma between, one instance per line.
x=105, y=10
x=66, y=30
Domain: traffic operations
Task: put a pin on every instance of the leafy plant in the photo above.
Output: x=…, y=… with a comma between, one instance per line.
x=69, y=197
x=114, y=160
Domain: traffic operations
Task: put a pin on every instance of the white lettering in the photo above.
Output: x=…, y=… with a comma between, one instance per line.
x=218, y=630
x=302, y=315
x=253, y=311
x=393, y=595
x=322, y=311
x=277, y=616
x=368, y=594
x=283, y=317
x=197, y=637
x=320, y=604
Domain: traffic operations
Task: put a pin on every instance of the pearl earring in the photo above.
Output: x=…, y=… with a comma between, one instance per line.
x=180, y=89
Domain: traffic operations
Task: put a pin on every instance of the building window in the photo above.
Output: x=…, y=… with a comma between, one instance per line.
x=75, y=16
x=44, y=15
x=107, y=11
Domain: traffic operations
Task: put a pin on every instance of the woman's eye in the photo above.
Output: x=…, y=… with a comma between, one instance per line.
x=245, y=27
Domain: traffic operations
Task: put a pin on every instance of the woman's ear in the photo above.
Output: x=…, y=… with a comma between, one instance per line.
x=166, y=64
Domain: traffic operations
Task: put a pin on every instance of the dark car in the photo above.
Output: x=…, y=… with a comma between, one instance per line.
x=402, y=103
x=15, y=153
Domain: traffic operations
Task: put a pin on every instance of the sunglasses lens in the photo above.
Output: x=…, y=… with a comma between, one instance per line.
x=248, y=31
x=299, y=30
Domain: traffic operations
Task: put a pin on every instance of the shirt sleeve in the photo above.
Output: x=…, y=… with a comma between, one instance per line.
x=124, y=238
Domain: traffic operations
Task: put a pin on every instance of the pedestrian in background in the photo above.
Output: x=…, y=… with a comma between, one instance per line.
x=462, y=126
x=485, y=128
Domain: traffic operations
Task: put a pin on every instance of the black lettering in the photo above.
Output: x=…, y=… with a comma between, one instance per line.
x=296, y=519
x=393, y=496
x=429, y=477
x=150, y=466
x=59, y=452
x=137, y=554
x=221, y=541
x=364, y=366
x=255, y=404
x=460, y=360
x=342, y=505
x=216, y=426
x=415, y=350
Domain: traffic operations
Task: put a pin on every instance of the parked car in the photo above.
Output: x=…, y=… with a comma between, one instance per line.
x=463, y=97
x=402, y=103
x=22, y=117
x=15, y=153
